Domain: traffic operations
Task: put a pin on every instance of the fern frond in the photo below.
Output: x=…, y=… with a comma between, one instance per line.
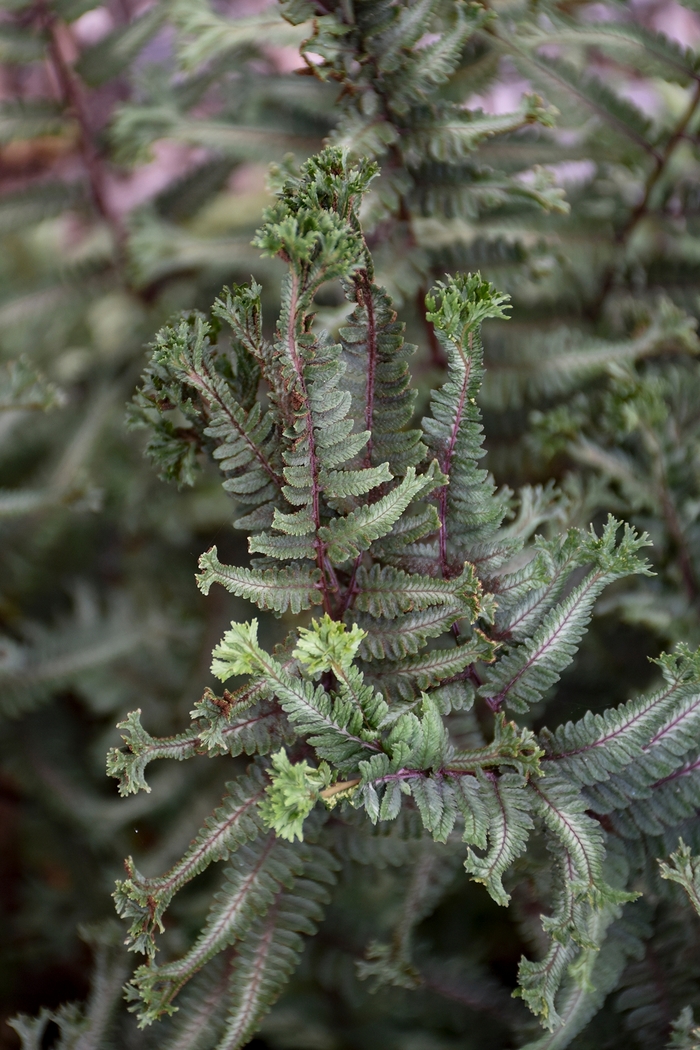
x=202, y=1007
x=434, y=63
x=292, y=588
x=664, y=775
x=372, y=341
x=273, y=945
x=450, y=135
x=469, y=513
x=369, y=710
x=64, y=654
x=235, y=822
x=651, y=809
x=405, y=635
x=23, y=387
x=563, y=811
x=249, y=889
x=235, y=725
x=384, y=592
x=521, y=677
x=509, y=824
x=527, y=595
x=402, y=33
x=427, y=670
x=183, y=374
x=347, y=537
x=554, y=75
x=240, y=723
x=651, y=52
x=129, y=766
x=204, y=36
x=590, y=750
x=566, y=360
x=583, y=990
x=511, y=746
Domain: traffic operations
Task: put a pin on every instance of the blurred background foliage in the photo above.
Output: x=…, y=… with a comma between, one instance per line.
x=562, y=159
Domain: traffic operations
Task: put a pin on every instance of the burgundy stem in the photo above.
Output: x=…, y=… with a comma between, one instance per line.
x=447, y=460
x=321, y=559
x=211, y=393
x=364, y=298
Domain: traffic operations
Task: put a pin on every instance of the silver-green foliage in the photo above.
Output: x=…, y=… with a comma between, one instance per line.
x=430, y=604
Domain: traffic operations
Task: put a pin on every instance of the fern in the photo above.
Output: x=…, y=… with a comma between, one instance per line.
x=417, y=596
x=367, y=687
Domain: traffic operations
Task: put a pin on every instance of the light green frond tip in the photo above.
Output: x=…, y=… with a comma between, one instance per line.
x=459, y=305
x=328, y=645
x=684, y=868
x=618, y=557
x=685, y=1034
x=517, y=746
x=238, y=652
x=292, y=793
x=682, y=665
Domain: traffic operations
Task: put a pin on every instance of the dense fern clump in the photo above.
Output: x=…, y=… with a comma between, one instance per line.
x=422, y=617
x=132, y=171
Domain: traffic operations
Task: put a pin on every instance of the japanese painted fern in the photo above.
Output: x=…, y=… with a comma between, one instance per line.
x=425, y=626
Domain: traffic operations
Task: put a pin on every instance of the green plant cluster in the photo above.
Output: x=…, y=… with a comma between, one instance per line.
x=458, y=606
